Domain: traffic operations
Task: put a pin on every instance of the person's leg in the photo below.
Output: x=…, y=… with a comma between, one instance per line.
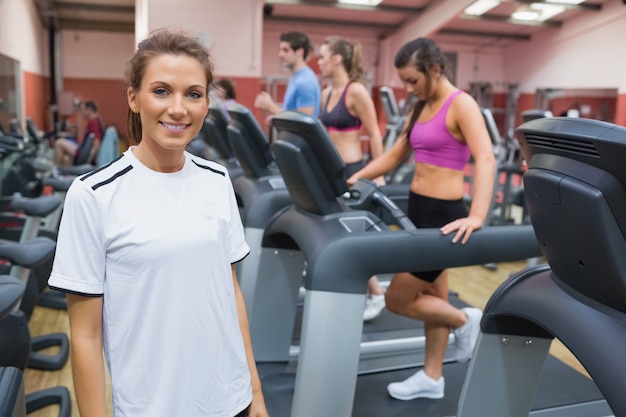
x=373, y=286
x=407, y=296
x=419, y=299
x=436, y=332
x=429, y=303
x=64, y=151
x=375, y=302
x=58, y=153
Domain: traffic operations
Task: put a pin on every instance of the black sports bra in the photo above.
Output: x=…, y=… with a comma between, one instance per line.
x=339, y=118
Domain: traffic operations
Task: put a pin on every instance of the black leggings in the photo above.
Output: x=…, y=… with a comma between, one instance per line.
x=427, y=212
x=352, y=168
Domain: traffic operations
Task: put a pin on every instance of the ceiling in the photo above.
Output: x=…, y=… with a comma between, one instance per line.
x=493, y=28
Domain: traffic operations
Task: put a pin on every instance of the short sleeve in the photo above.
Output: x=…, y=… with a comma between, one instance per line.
x=239, y=248
x=79, y=263
x=307, y=95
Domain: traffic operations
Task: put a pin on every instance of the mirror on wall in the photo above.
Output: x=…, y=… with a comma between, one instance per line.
x=10, y=104
x=590, y=103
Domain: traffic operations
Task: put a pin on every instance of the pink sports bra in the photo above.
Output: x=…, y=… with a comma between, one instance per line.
x=434, y=144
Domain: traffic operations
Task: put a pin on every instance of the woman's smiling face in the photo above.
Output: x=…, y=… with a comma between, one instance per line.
x=172, y=101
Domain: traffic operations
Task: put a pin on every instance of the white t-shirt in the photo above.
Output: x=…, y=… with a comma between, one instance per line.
x=158, y=247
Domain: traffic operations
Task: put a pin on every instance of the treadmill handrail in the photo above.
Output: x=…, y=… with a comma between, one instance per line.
x=356, y=256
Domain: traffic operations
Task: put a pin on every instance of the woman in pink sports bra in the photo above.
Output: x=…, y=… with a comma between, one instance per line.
x=346, y=108
x=444, y=129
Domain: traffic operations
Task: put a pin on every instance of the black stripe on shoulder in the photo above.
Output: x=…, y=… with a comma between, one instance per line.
x=113, y=178
x=244, y=257
x=217, y=171
x=95, y=171
x=84, y=294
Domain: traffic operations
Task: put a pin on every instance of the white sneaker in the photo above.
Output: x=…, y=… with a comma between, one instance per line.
x=373, y=306
x=419, y=385
x=466, y=335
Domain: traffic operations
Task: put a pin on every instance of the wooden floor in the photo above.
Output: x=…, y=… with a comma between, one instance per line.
x=474, y=285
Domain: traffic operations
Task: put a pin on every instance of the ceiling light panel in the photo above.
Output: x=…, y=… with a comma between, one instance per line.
x=546, y=11
x=481, y=7
x=362, y=2
x=525, y=15
x=567, y=1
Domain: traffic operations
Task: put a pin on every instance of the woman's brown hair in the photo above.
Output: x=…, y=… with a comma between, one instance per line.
x=424, y=54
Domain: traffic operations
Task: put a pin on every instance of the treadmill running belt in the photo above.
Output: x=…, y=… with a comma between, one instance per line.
x=559, y=385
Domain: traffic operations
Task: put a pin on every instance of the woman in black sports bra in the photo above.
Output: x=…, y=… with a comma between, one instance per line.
x=347, y=108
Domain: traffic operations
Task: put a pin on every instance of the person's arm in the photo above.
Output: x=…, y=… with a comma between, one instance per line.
x=473, y=129
x=265, y=102
x=362, y=105
x=308, y=110
x=257, y=408
x=386, y=162
x=93, y=152
x=85, y=315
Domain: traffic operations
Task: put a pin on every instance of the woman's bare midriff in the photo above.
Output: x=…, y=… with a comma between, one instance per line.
x=436, y=182
x=348, y=144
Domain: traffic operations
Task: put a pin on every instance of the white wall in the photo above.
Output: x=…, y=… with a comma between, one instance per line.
x=22, y=36
x=23, y=39
x=235, y=48
x=587, y=52
x=101, y=55
x=479, y=65
x=232, y=29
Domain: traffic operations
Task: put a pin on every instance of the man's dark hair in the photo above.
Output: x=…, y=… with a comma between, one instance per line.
x=227, y=87
x=296, y=41
x=91, y=105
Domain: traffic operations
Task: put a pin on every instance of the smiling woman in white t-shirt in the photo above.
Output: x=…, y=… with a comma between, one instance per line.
x=145, y=251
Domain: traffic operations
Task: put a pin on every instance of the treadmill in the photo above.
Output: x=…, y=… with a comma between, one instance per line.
x=12, y=397
x=576, y=196
x=343, y=245
x=214, y=134
x=395, y=121
x=388, y=343
x=260, y=191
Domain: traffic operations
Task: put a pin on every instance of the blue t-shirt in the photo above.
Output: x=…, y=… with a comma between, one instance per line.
x=303, y=90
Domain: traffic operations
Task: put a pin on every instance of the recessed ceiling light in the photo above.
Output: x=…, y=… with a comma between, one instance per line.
x=567, y=1
x=546, y=11
x=525, y=15
x=481, y=7
x=362, y=2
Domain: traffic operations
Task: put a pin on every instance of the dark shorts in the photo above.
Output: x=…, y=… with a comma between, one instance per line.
x=427, y=212
x=244, y=413
x=352, y=168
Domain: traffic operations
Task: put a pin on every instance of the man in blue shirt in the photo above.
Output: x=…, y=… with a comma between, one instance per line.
x=303, y=91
